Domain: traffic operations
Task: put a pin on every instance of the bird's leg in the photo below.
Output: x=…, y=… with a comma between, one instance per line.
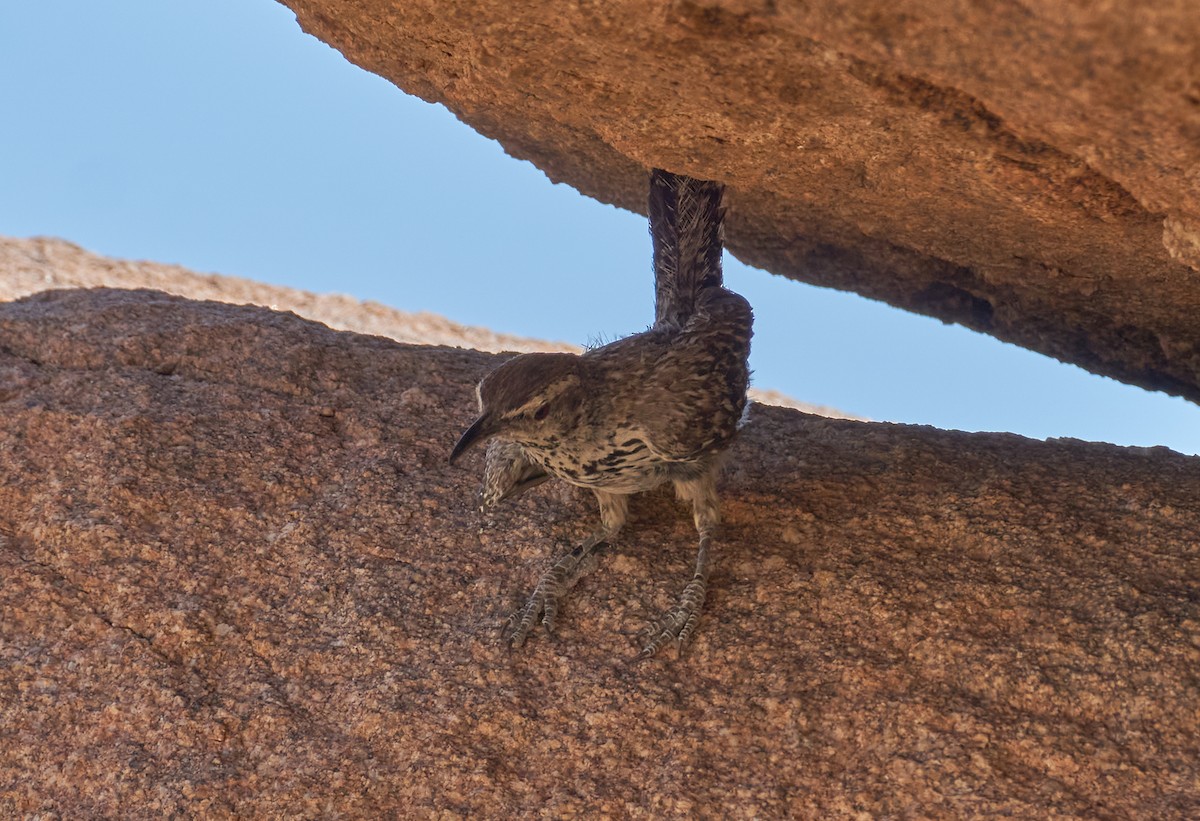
x=565, y=572
x=679, y=623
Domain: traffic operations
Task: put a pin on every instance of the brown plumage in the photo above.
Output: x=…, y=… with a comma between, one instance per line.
x=654, y=407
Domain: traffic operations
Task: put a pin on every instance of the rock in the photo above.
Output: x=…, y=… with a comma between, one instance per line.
x=240, y=580
x=29, y=266
x=1030, y=170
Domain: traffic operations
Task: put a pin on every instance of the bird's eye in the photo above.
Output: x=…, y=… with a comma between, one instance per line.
x=542, y=412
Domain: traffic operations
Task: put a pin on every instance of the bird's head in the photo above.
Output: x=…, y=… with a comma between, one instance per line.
x=529, y=400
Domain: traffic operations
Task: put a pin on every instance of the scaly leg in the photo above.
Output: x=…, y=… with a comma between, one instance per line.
x=678, y=625
x=565, y=572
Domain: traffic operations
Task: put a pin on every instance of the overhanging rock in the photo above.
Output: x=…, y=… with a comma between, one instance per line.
x=1030, y=170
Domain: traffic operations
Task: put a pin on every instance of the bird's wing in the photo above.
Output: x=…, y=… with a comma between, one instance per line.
x=694, y=399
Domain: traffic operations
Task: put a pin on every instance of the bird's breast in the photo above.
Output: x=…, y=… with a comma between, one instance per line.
x=620, y=464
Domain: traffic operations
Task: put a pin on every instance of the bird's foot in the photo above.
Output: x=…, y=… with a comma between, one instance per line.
x=551, y=588
x=543, y=603
x=678, y=625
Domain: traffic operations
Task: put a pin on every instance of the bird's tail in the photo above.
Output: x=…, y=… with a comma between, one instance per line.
x=685, y=227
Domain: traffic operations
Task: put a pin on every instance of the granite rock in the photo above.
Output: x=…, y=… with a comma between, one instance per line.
x=1028, y=169
x=240, y=580
x=35, y=264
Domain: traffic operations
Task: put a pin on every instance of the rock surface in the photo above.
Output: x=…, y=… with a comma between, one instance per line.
x=28, y=266
x=240, y=580
x=1028, y=169
x=34, y=264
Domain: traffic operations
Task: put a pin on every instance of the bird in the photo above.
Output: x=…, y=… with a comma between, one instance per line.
x=658, y=406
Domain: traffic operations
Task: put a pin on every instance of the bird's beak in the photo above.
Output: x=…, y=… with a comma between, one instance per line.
x=480, y=429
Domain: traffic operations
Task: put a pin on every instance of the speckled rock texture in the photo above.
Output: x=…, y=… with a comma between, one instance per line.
x=240, y=580
x=1028, y=169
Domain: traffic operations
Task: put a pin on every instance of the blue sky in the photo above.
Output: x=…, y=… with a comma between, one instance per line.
x=218, y=136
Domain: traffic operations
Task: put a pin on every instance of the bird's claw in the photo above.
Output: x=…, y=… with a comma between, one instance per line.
x=677, y=625
x=543, y=603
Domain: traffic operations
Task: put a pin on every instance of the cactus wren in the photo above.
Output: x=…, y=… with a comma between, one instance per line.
x=658, y=406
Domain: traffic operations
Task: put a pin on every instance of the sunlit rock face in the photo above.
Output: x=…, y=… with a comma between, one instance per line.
x=241, y=581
